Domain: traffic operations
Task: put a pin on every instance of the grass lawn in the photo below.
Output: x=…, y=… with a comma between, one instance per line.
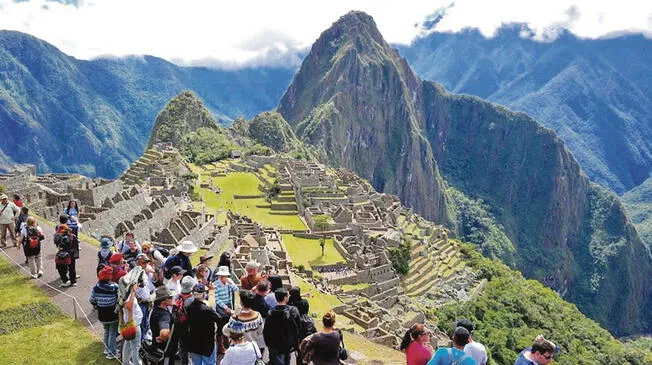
x=53, y=339
x=243, y=183
x=349, y=287
x=307, y=252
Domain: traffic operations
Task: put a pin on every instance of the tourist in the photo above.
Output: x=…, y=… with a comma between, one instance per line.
x=123, y=246
x=174, y=284
x=17, y=201
x=68, y=245
x=454, y=354
x=206, y=261
x=131, y=253
x=203, y=275
x=183, y=299
x=323, y=347
x=275, y=283
x=21, y=221
x=474, y=349
x=251, y=320
x=202, y=321
x=258, y=302
x=104, y=298
x=8, y=211
x=31, y=242
x=143, y=294
x=249, y=281
x=72, y=211
x=416, y=344
x=224, y=305
x=118, y=266
x=155, y=255
x=281, y=337
x=296, y=301
x=161, y=323
x=240, y=352
x=182, y=258
x=130, y=326
x=104, y=254
x=541, y=353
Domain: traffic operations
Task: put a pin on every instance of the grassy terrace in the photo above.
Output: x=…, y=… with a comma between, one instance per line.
x=37, y=330
x=307, y=252
x=244, y=183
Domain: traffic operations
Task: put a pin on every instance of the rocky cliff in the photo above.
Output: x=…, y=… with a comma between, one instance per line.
x=357, y=100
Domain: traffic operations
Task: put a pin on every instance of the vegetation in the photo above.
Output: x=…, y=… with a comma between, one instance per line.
x=322, y=223
x=638, y=202
x=30, y=321
x=478, y=225
x=206, y=145
x=511, y=311
x=400, y=257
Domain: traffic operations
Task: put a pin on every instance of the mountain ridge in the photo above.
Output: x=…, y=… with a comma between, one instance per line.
x=365, y=104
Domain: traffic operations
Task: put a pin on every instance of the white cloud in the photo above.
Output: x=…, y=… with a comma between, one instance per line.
x=246, y=33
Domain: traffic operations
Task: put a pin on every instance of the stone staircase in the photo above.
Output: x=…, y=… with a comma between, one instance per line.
x=145, y=166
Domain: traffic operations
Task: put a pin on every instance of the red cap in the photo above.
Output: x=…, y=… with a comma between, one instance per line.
x=116, y=258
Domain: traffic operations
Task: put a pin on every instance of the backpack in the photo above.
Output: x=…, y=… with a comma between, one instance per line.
x=164, y=251
x=182, y=316
x=62, y=258
x=307, y=326
x=103, y=260
x=458, y=361
x=170, y=263
x=63, y=240
x=33, y=239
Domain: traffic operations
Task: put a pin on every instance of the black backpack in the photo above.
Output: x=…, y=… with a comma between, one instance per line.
x=164, y=251
x=63, y=240
x=307, y=327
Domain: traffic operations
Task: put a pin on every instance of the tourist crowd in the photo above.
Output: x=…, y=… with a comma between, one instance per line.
x=156, y=308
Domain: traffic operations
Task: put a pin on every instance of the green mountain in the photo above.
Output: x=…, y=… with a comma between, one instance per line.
x=359, y=102
x=638, y=202
x=95, y=117
x=595, y=94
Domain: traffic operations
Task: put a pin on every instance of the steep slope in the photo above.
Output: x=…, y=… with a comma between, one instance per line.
x=595, y=94
x=638, y=202
x=360, y=102
x=94, y=117
x=185, y=113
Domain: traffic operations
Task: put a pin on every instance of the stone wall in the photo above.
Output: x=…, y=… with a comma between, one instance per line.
x=105, y=222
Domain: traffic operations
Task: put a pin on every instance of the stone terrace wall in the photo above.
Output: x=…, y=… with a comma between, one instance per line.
x=98, y=194
x=106, y=222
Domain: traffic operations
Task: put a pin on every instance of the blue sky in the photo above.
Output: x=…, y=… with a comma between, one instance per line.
x=232, y=34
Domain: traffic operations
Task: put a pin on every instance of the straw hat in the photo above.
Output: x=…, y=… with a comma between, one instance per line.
x=187, y=246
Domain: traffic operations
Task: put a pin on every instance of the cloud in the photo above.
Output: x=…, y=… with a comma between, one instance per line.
x=253, y=33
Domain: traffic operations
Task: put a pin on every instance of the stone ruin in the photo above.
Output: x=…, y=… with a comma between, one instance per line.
x=113, y=208
x=251, y=241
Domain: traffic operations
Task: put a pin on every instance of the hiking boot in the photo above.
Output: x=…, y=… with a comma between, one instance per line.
x=65, y=284
x=40, y=273
x=74, y=284
x=78, y=276
x=34, y=276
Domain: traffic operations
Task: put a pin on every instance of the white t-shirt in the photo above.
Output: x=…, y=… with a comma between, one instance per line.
x=477, y=351
x=174, y=287
x=242, y=353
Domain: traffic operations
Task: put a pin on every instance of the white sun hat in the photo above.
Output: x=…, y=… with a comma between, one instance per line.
x=187, y=246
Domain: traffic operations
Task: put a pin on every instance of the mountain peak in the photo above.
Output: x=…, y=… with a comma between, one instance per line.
x=355, y=26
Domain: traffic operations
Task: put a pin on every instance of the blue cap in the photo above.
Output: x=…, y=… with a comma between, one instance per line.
x=105, y=242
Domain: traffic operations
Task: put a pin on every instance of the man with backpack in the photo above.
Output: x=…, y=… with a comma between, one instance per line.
x=201, y=328
x=182, y=259
x=68, y=252
x=454, y=355
x=8, y=211
x=281, y=332
x=21, y=220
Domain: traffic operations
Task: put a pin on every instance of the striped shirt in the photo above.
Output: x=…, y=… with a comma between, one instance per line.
x=224, y=293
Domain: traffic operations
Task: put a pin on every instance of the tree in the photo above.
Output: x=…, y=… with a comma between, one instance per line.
x=322, y=222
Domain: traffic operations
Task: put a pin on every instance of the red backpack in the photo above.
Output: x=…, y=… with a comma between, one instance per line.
x=182, y=316
x=33, y=238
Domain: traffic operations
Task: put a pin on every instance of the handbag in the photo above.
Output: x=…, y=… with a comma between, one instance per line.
x=127, y=329
x=150, y=353
x=259, y=356
x=343, y=354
